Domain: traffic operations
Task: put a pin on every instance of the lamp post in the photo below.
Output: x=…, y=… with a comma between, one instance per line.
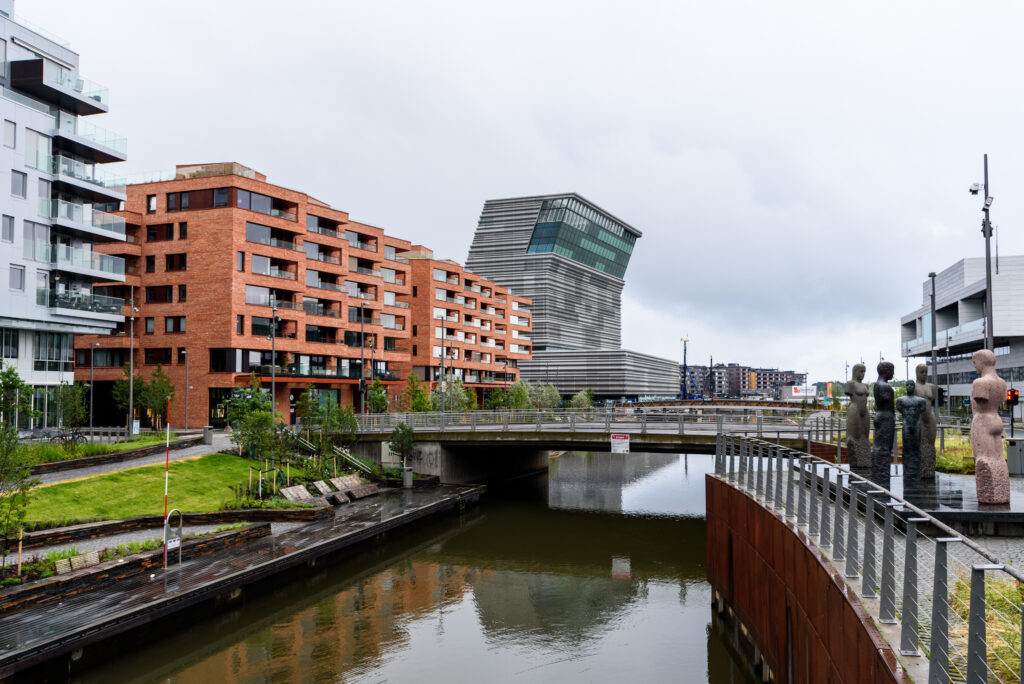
x=935, y=361
x=92, y=366
x=362, y=358
x=986, y=230
x=185, y=352
x=131, y=364
x=273, y=357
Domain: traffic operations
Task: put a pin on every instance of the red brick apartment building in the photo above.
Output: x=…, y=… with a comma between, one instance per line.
x=476, y=328
x=210, y=248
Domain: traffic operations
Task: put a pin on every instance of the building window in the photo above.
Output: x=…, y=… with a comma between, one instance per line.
x=259, y=326
x=414, y=351
x=241, y=261
x=172, y=201
x=10, y=133
x=182, y=230
x=174, y=262
x=239, y=325
x=150, y=204
x=174, y=324
x=17, y=280
x=182, y=355
x=159, y=355
x=159, y=294
x=8, y=229
x=53, y=352
x=184, y=201
x=9, y=348
x=160, y=233
x=19, y=182
x=150, y=327
x=220, y=197
x=150, y=264
x=415, y=290
x=243, y=199
x=414, y=329
x=181, y=293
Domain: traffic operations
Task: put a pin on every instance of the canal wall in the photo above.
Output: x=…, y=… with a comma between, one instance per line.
x=795, y=606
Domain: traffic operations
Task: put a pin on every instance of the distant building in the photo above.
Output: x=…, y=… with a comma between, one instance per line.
x=734, y=380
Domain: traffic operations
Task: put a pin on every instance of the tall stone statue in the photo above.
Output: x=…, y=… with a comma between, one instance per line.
x=885, y=426
x=991, y=474
x=858, y=446
x=913, y=409
x=926, y=391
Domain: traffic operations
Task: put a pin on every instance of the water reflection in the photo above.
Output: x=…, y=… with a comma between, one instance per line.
x=595, y=573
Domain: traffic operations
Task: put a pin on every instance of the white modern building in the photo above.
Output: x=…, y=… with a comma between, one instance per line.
x=960, y=294
x=58, y=236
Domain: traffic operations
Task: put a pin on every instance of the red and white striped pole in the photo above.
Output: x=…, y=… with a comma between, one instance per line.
x=167, y=475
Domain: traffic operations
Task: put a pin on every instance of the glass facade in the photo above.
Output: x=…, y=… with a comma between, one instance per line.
x=568, y=227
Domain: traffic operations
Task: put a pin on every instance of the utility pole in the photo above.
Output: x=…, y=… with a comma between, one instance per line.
x=131, y=365
x=935, y=361
x=273, y=359
x=186, y=390
x=683, y=394
x=362, y=357
x=92, y=385
x=986, y=230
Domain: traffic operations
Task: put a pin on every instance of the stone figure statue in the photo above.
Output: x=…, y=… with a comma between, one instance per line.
x=913, y=409
x=926, y=391
x=991, y=474
x=858, y=446
x=885, y=426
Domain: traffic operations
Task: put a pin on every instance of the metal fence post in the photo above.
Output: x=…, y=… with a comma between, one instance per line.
x=851, y=533
x=643, y=422
x=742, y=466
x=538, y=421
x=472, y=421
x=824, y=538
x=977, y=648
x=908, y=632
x=769, y=485
x=812, y=526
x=718, y=454
x=572, y=422
x=801, y=501
x=731, y=450
x=938, y=648
x=867, y=583
x=760, y=424
x=751, y=465
x=887, y=607
x=790, y=504
x=778, y=479
x=682, y=429
x=759, y=486
x=608, y=422
x=837, y=522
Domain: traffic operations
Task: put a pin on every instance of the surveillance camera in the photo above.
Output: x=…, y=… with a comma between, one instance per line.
x=975, y=187
x=988, y=202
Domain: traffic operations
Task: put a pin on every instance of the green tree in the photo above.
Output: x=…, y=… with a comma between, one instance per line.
x=15, y=396
x=543, y=396
x=120, y=391
x=414, y=396
x=496, y=399
x=16, y=482
x=518, y=395
x=72, y=403
x=245, y=400
x=309, y=410
x=402, y=441
x=377, y=397
x=582, y=399
x=347, y=425
x=455, y=396
x=158, y=391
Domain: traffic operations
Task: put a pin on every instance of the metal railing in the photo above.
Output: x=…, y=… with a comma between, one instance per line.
x=950, y=605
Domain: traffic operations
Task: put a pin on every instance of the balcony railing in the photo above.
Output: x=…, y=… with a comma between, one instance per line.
x=320, y=256
x=57, y=75
x=64, y=255
x=59, y=210
x=78, y=127
x=83, y=302
x=324, y=285
x=274, y=242
x=324, y=231
x=394, y=326
x=366, y=271
x=281, y=213
x=363, y=295
x=318, y=310
x=65, y=166
x=366, y=246
x=277, y=273
x=401, y=305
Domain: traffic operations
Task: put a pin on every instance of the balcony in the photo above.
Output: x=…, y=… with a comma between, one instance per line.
x=88, y=140
x=365, y=246
x=80, y=176
x=273, y=242
x=320, y=256
x=82, y=217
x=318, y=310
x=972, y=331
x=400, y=305
x=53, y=83
x=78, y=301
x=365, y=271
x=76, y=260
x=394, y=326
x=319, y=230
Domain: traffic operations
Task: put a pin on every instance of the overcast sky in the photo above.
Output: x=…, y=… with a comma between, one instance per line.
x=796, y=168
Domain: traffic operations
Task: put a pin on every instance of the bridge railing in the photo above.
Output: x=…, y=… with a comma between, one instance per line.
x=953, y=608
x=593, y=420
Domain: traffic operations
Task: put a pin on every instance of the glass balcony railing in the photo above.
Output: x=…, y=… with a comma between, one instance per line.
x=324, y=285
x=59, y=210
x=365, y=271
x=63, y=255
x=366, y=246
x=276, y=273
x=274, y=242
x=323, y=231
x=320, y=256
x=318, y=310
x=401, y=305
x=81, y=128
x=65, y=166
x=84, y=302
x=57, y=75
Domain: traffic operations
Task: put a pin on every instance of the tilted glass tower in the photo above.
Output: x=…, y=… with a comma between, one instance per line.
x=568, y=255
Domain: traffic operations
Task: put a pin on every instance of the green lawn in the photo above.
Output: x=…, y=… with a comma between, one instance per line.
x=200, y=484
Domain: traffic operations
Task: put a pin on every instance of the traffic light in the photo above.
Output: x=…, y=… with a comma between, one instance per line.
x=1012, y=397
x=942, y=396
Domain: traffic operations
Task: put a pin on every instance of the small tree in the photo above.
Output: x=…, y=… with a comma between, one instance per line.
x=496, y=399
x=414, y=396
x=401, y=442
x=377, y=397
x=247, y=399
x=16, y=482
x=345, y=425
x=73, y=404
x=15, y=396
x=453, y=395
x=121, y=388
x=309, y=410
x=543, y=396
x=582, y=399
x=158, y=391
x=518, y=396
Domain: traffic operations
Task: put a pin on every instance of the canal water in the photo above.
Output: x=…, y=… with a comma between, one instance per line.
x=591, y=573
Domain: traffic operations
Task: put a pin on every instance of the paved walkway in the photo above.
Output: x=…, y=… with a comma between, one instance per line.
x=221, y=442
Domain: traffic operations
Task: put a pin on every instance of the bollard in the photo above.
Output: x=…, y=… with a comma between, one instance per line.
x=851, y=533
x=759, y=486
x=812, y=526
x=938, y=648
x=887, y=608
x=908, y=632
x=824, y=536
x=837, y=522
x=867, y=583
x=977, y=648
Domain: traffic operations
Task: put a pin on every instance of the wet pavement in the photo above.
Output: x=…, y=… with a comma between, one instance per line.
x=106, y=607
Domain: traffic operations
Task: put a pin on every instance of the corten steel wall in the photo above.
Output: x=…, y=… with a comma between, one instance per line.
x=215, y=289
x=796, y=607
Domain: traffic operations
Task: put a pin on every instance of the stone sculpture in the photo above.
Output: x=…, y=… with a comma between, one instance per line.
x=885, y=426
x=926, y=390
x=991, y=474
x=913, y=409
x=858, y=446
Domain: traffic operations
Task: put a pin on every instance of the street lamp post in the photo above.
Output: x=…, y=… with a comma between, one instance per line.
x=935, y=361
x=362, y=357
x=131, y=364
x=92, y=366
x=185, y=352
x=986, y=230
x=273, y=357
